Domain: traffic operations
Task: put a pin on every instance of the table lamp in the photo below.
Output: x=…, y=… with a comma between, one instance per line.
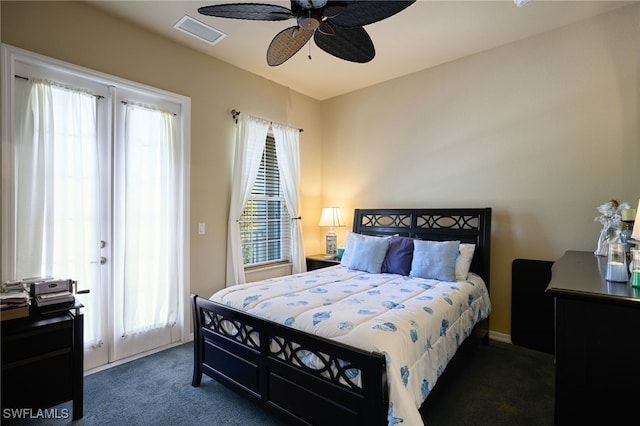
x=331, y=217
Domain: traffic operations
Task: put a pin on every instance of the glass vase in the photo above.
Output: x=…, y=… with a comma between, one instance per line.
x=617, y=264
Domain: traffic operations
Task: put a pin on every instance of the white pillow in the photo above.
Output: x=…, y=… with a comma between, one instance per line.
x=463, y=262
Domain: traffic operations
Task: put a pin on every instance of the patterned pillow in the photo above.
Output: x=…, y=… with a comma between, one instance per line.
x=435, y=259
x=399, y=256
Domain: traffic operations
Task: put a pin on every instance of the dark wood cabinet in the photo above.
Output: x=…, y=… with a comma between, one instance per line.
x=597, y=345
x=318, y=261
x=42, y=363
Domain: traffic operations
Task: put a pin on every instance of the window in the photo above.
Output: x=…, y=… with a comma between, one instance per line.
x=264, y=224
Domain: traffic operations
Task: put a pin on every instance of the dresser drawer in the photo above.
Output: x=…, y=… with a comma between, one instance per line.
x=46, y=336
x=40, y=383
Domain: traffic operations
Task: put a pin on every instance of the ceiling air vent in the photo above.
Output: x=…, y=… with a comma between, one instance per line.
x=199, y=30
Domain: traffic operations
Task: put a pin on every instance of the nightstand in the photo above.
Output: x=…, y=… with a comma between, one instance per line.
x=317, y=261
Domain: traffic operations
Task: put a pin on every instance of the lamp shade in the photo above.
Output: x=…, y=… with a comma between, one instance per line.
x=636, y=225
x=331, y=216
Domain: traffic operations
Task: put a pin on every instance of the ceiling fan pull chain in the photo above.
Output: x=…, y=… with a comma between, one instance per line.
x=309, y=51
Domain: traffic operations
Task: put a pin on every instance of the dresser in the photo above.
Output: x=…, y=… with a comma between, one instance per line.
x=597, y=342
x=42, y=363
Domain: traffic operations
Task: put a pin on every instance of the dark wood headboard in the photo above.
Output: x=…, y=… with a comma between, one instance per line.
x=466, y=225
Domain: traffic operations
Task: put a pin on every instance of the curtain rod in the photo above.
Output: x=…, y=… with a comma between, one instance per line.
x=27, y=79
x=235, y=113
x=147, y=107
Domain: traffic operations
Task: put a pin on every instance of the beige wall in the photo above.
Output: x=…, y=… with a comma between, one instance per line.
x=542, y=130
x=85, y=36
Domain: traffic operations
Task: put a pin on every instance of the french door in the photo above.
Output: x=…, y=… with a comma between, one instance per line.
x=98, y=195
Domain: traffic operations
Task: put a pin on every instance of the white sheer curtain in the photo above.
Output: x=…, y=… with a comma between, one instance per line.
x=147, y=221
x=57, y=204
x=251, y=135
x=288, y=152
x=33, y=148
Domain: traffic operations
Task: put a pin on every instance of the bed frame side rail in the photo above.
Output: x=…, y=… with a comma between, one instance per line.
x=263, y=360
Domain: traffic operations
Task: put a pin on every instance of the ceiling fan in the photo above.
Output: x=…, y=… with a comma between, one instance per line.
x=336, y=26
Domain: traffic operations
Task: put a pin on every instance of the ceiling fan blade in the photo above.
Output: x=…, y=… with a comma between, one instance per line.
x=350, y=44
x=359, y=13
x=286, y=44
x=333, y=9
x=327, y=28
x=252, y=11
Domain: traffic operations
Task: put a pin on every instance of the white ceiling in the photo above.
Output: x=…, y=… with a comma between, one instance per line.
x=426, y=34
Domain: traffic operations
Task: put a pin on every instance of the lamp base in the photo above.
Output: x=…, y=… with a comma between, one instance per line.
x=331, y=245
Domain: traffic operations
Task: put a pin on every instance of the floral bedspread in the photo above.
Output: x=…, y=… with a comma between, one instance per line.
x=417, y=323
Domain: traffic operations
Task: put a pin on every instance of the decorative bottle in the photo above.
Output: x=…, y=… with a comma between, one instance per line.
x=617, y=263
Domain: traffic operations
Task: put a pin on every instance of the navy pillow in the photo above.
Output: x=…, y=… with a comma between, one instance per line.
x=399, y=256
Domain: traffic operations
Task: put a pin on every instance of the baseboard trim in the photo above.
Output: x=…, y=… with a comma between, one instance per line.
x=500, y=337
x=134, y=357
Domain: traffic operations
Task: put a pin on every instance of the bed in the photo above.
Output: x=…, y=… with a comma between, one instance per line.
x=346, y=356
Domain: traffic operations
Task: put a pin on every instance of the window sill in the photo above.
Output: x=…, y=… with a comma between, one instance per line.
x=258, y=273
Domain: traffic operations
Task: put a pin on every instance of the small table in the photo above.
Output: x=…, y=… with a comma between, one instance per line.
x=317, y=261
x=597, y=348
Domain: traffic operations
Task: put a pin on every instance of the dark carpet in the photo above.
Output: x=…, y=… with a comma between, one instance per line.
x=495, y=384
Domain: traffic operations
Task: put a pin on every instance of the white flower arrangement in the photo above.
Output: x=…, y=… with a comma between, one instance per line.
x=611, y=220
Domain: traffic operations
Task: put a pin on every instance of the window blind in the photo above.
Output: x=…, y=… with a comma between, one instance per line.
x=264, y=224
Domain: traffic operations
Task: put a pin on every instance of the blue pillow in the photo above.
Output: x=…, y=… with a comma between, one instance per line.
x=348, y=247
x=435, y=259
x=368, y=254
x=399, y=256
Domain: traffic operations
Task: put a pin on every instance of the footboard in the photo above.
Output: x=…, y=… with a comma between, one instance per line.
x=305, y=378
